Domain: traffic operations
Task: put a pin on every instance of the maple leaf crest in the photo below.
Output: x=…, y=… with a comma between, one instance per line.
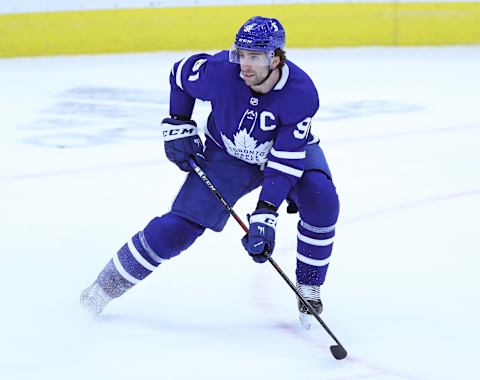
x=245, y=147
x=244, y=140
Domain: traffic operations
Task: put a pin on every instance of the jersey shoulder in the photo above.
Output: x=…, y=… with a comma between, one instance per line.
x=299, y=94
x=202, y=75
x=299, y=82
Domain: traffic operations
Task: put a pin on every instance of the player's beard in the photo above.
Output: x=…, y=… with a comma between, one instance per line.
x=254, y=80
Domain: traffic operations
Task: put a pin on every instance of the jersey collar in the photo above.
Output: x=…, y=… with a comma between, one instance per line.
x=283, y=80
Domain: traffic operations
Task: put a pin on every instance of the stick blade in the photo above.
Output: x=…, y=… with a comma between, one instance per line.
x=338, y=352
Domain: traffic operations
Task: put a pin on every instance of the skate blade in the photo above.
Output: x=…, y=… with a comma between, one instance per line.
x=305, y=320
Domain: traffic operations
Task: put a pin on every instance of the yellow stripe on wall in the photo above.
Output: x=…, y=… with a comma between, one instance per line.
x=438, y=23
x=208, y=28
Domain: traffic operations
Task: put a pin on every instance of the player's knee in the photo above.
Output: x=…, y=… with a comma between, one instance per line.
x=318, y=200
x=170, y=234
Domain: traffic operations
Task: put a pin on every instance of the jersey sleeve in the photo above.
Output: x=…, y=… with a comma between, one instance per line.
x=191, y=78
x=286, y=160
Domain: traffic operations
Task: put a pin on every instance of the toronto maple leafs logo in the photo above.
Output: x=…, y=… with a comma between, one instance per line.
x=245, y=148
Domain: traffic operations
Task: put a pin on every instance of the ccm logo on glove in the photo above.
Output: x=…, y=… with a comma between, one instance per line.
x=173, y=132
x=181, y=141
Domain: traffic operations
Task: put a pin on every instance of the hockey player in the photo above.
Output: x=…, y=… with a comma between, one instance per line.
x=257, y=134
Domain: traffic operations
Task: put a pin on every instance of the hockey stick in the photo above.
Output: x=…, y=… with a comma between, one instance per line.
x=338, y=351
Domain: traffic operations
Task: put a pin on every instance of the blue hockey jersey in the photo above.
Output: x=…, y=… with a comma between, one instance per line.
x=270, y=130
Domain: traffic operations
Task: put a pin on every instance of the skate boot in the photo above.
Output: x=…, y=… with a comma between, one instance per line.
x=94, y=299
x=311, y=293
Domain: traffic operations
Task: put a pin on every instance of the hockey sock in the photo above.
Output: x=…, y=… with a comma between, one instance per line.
x=314, y=247
x=163, y=238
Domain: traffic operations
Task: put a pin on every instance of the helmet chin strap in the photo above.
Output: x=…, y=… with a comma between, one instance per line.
x=270, y=71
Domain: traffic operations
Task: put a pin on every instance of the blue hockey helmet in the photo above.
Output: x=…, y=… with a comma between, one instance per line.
x=259, y=34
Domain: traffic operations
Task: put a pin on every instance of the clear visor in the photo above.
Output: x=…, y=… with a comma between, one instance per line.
x=250, y=57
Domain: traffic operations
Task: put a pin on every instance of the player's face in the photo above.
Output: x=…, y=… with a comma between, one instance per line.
x=254, y=66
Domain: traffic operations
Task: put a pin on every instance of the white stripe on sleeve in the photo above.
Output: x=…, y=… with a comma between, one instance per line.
x=288, y=155
x=285, y=169
x=178, y=76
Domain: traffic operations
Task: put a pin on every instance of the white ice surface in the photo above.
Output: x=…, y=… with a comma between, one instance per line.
x=82, y=169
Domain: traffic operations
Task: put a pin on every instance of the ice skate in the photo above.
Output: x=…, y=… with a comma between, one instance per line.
x=94, y=299
x=311, y=293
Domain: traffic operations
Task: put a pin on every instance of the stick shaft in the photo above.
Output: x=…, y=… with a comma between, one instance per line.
x=210, y=185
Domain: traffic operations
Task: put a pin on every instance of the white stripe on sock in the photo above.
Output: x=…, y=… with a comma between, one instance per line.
x=122, y=271
x=318, y=230
x=317, y=242
x=150, y=251
x=140, y=259
x=314, y=262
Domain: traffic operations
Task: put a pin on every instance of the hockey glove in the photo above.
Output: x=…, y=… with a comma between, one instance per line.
x=261, y=235
x=181, y=141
